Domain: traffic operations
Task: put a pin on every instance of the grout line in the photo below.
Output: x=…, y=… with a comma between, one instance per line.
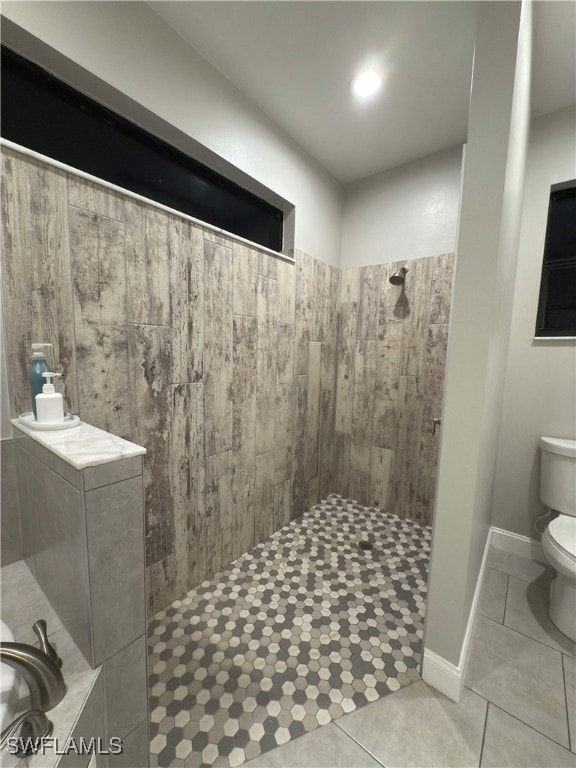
x=500, y=569
x=114, y=482
x=570, y=745
x=540, y=642
x=529, y=637
x=83, y=209
x=148, y=325
x=75, y=321
x=486, y=616
x=129, y=359
x=140, y=724
x=511, y=714
x=359, y=743
x=506, y=600
x=483, y=735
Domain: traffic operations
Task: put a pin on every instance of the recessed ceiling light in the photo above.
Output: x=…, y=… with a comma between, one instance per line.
x=366, y=83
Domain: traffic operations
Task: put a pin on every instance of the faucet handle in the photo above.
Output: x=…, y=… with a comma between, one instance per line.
x=41, y=631
x=32, y=725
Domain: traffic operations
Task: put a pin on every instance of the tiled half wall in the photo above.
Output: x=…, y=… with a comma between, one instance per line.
x=219, y=359
x=222, y=361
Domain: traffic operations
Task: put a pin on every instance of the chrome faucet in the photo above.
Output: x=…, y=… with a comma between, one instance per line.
x=39, y=668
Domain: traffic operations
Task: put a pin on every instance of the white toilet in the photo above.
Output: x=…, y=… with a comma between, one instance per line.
x=558, y=492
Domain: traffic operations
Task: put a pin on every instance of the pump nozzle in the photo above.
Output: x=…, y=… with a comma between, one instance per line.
x=48, y=388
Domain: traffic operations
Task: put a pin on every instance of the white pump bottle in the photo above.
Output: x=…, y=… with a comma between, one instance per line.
x=49, y=404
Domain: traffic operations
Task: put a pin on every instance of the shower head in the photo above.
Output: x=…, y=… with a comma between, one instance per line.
x=399, y=276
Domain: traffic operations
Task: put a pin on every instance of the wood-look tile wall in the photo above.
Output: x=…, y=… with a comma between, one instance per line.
x=221, y=360
x=391, y=358
x=218, y=358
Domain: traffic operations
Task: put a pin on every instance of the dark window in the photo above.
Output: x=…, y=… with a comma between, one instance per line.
x=557, y=303
x=42, y=113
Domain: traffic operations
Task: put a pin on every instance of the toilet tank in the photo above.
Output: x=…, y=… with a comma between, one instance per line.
x=558, y=474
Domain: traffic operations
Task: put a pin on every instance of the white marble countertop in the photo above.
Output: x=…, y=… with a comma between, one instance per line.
x=83, y=446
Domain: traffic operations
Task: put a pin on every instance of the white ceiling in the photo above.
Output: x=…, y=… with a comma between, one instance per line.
x=295, y=60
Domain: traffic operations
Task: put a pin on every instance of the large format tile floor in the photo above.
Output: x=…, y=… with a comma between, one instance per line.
x=305, y=628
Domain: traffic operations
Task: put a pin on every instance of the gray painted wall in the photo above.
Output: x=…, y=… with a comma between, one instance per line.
x=408, y=212
x=540, y=394
x=480, y=321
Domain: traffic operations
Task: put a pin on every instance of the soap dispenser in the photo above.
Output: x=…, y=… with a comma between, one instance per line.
x=49, y=404
x=38, y=366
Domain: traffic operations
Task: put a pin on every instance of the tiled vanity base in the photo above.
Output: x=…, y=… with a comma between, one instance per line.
x=81, y=510
x=83, y=539
x=304, y=628
x=107, y=701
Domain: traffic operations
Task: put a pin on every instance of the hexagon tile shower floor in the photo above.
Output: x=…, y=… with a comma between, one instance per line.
x=305, y=627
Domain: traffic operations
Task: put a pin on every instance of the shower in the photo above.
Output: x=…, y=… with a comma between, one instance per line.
x=399, y=276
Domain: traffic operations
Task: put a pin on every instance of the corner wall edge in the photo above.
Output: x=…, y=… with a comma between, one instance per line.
x=440, y=673
x=437, y=671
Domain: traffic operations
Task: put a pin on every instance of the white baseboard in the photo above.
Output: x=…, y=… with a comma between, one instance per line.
x=442, y=675
x=518, y=545
x=436, y=670
x=465, y=652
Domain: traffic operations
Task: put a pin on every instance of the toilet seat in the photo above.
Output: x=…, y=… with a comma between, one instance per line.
x=558, y=492
x=562, y=535
x=559, y=545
